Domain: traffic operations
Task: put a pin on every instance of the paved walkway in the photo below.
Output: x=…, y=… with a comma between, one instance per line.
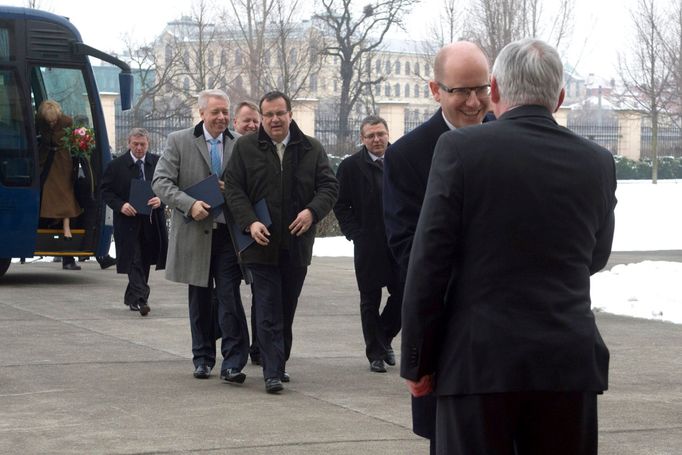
x=80, y=374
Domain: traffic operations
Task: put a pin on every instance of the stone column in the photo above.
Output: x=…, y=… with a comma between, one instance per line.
x=303, y=111
x=630, y=137
x=394, y=114
x=109, y=111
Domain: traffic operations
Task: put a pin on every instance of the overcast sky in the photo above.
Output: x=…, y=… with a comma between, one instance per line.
x=601, y=27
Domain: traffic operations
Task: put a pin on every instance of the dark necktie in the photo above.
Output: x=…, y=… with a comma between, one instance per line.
x=140, y=169
x=380, y=162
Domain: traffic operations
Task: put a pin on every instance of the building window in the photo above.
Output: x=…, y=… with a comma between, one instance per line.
x=378, y=67
x=211, y=59
x=407, y=90
x=185, y=84
x=223, y=58
x=293, y=56
x=169, y=53
x=238, y=57
x=416, y=68
x=416, y=91
x=266, y=57
x=396, y=90
x=407, y=68
x=397, y=67
x=388, y=67
x=313, y=82
x=426, y=91
x=387, y=90
x=185, y=58
x=427, y=70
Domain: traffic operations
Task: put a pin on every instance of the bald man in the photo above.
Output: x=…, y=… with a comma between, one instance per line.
x=461, y=85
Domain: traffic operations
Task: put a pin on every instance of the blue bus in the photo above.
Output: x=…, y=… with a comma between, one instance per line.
x=42, y=57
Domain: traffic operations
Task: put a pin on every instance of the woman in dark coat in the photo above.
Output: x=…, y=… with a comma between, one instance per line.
x=58, y=200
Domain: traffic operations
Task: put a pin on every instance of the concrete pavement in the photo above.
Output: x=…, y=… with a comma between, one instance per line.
x=80, y=374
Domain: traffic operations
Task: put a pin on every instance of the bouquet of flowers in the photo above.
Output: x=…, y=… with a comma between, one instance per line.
x=79, y=141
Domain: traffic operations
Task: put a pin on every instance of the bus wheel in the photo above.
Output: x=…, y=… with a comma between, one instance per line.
x=4, y=265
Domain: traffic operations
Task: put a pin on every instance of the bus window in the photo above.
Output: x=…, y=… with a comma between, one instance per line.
x=67, y=87
x=5, y=44
x=16, y=160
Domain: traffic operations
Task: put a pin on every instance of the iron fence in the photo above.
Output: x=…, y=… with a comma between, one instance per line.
x=607, y=134
x=159, y=129
x=327, y=132
x=669, y=141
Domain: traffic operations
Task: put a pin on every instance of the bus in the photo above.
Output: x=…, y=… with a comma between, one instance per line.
x=42, y=57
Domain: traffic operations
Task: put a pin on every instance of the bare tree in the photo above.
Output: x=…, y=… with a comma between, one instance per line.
x=645, y=72
x=495, y=23
x=356, y=34
x=276, y=48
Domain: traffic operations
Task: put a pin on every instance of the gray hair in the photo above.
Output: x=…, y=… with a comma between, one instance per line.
x=204, y=95
x=529, y=71
x=138, y=132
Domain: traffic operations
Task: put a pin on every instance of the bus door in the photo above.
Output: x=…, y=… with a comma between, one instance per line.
x=67, y=86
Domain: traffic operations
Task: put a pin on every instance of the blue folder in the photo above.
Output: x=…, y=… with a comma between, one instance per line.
x=140, y=193
x=207, y=190
x=244, y=240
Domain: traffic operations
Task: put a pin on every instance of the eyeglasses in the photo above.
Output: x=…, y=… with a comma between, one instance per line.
x=378, y=135
x=482, y=91
x=271, y=115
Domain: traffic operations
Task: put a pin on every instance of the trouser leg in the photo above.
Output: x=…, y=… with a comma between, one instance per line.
x=372, y=328
x=137, y=291
x=267, y=292
x=292, y=284
x=202, y=325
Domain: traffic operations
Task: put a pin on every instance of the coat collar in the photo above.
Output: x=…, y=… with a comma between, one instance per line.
x=528, y=110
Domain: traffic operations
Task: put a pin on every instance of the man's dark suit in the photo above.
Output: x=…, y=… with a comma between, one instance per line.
x=517, y=215
x=140, y=240
x=406, y=172
x=359, y=210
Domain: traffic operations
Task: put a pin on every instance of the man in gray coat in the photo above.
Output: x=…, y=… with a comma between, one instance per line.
x=201, y=252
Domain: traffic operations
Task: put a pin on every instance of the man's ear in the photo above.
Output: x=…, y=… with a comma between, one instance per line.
x=494, y=91
x=562, y=94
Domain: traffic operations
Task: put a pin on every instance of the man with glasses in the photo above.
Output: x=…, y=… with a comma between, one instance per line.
x=290, y=172
x=517, y=215
x=461, y=87
x=359, y=211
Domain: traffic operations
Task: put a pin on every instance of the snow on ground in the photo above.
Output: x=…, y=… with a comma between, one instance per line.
x=648, y=218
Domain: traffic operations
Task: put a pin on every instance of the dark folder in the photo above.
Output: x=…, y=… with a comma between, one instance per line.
x=207, y=190
x=243, y=240
x=140, y=193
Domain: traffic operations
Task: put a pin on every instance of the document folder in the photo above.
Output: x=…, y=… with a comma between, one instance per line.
x=140, y=193
x=243, y=240
x=207, y=190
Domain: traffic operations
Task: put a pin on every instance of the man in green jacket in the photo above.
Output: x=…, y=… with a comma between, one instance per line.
x=291, y=172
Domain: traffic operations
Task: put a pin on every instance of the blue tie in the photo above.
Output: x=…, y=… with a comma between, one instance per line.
x=215, y=156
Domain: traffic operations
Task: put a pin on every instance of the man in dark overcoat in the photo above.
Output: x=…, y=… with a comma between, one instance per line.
x=140, y=240
x=360, y=213
x=497, y=320
x=291, y=173
x=459, y=69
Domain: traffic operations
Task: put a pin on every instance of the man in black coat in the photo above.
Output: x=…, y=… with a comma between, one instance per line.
x=517, y=215
x=457, y=68
x=140, y=240
x=359, y=210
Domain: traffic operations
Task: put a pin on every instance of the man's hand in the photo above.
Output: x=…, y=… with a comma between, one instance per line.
x=221, y=184
x=302, y=223
x=128, y=210
x=155, y=202
x=199, y=210
x=259, y=233
x=422, y=387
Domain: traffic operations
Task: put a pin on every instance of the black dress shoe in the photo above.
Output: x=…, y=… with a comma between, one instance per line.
x=286, y=377
x=233, y=376
x=144, y=309
x=273, y=385
x=202, y=371
x=134, y=306
x=71, y=266
x=106, y=262
x=390, y=356
x=377, y=366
